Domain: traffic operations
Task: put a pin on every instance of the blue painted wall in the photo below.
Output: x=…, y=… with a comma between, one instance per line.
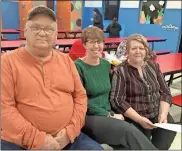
x=128, y=18
x=88, y=13
x=10, y=17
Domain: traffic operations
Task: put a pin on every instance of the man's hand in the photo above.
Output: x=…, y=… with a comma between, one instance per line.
x=162, y=118
x=50, y=143
x=146, y=123
x=62, y=138
x=92, y=19
x=118, y=116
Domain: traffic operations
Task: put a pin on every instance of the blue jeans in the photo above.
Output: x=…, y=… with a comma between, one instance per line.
x=82, y=142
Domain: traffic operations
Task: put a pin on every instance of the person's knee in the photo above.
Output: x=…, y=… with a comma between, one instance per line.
x=133, y=131
x=131, y=128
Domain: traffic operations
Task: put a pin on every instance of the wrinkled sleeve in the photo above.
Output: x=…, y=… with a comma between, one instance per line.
x=97, y=19
x=15, y=128
x=80, y=105
x=118, y=93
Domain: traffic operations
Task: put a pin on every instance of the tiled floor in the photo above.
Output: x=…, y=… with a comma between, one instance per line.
x=176, y=145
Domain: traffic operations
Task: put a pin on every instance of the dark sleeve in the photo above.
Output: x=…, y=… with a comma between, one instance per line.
x=15, y=126
x=118, y=93
x=108, y=28
x=164, y=89
x=110, y=72
x=120, y=28
x=97, y=19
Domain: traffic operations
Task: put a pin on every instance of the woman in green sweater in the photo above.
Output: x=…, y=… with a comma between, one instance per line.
x=102, y=124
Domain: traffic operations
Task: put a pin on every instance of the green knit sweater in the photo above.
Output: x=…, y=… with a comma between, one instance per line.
x=96, y=80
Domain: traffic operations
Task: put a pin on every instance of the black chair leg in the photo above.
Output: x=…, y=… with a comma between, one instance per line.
x=170, y=79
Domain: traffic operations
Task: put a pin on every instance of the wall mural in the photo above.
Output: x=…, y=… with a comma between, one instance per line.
x=63, y=14
x=76, y=15
x=152, y=12
x=24, y=7
x=69, y=15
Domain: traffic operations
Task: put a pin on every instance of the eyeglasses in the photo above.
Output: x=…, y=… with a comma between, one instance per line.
x=37, y=28
x=138, y=48
x=94, y=42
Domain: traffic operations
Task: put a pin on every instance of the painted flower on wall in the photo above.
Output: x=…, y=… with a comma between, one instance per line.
x=153, y=11
x=142, y=18
x=147, y=19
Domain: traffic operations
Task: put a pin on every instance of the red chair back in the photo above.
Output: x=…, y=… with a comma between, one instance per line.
x=78, y=50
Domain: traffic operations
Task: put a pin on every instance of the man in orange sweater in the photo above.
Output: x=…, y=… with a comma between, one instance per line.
x=43, y=101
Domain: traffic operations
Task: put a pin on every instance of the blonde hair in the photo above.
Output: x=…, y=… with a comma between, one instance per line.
x=92, y=33
x=140, y=38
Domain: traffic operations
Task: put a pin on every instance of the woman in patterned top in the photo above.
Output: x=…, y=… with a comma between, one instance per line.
x=102, y=124
x=140, y=93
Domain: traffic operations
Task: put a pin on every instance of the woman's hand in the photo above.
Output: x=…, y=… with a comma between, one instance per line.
x=118, y=116
x=146, y=123
x=162, y=118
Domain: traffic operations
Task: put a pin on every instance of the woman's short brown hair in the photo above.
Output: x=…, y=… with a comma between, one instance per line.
x=140, y=38
x=92, y=33
x=41, y=10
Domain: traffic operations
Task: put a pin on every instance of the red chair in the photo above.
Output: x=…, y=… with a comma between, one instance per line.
x=177, y=100
x=78, y=50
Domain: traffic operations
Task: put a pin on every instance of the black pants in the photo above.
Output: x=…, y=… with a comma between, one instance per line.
x=161, y=138
x=116, y=132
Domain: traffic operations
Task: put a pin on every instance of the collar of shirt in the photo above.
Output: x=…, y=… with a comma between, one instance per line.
x=134, y=68
x=26, y=55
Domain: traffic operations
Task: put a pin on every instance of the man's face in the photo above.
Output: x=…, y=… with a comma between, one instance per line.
x=41, y=32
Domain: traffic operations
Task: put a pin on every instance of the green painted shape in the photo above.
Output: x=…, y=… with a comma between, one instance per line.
x=148, y=18
x=160, y=13
x=72, y=25
x=142, y=14
x=78, y=4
